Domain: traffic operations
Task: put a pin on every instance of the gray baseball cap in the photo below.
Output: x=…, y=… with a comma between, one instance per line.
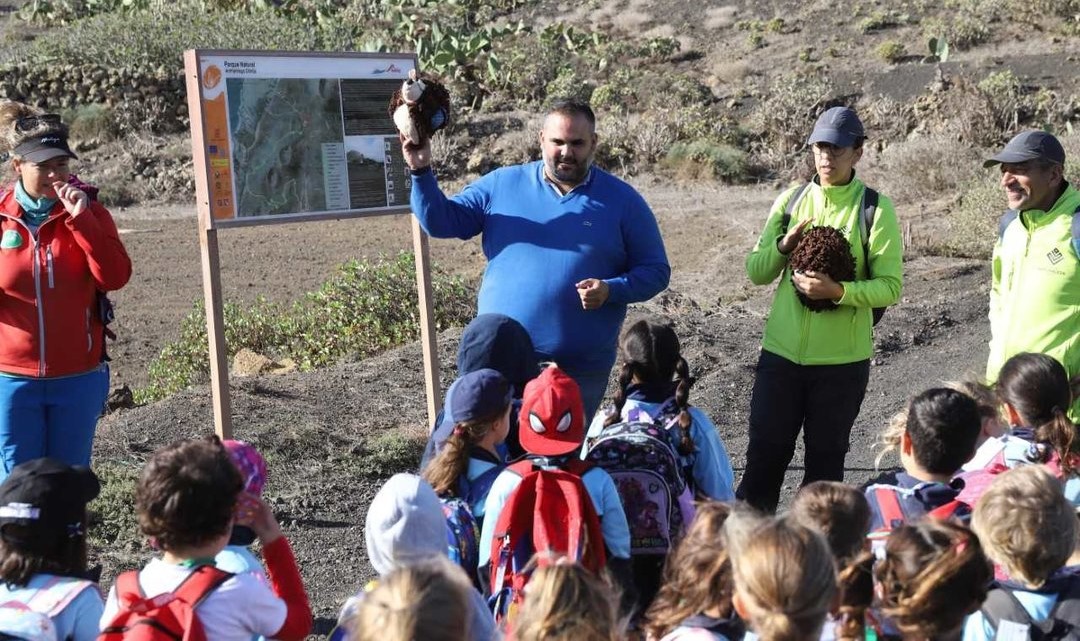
x=1030, y=145
x=839, y=126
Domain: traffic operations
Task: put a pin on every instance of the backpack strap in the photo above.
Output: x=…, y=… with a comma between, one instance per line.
x=888, y=506
x=199, y=584
x=578, y=467
x=1067, y=608
x=1076, y=232
x=56, y=595
x=789, y=207
x=867, y=213
x=1006, y=220
x=1001, y=605
x=128, y=589
x=946, y=511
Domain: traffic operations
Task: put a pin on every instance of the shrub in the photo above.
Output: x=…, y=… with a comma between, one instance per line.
x=926, y=169
x=93, y=122
x=891, y=51
x=363, y=309
x=961, y=30
x=971, y=226
x=782, y=121
x=158, y=36
x=707, y=159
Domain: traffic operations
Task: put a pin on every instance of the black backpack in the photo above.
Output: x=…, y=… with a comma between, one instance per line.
x=866, y=223
x=1063, y=622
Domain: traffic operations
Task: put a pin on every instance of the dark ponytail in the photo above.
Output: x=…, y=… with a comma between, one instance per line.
x=682, y=399
x=1037, y=387
x=626, y=375
x=856, y=583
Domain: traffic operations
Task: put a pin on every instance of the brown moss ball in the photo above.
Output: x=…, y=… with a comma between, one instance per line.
x=824, y=250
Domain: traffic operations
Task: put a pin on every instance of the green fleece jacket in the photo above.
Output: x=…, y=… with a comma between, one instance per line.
x=1035, y=292
x=845, y=334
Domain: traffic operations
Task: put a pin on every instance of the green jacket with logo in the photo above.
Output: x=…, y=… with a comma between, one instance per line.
x=842, y=335
x=1035, y=292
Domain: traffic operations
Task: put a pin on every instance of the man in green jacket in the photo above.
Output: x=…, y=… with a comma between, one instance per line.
x=1035, y=292
x=814, y=366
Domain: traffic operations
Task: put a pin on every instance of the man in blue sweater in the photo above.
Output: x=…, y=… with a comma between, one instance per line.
x=568, y=245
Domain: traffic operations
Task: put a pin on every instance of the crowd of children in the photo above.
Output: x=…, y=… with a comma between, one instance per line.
x=625, y=530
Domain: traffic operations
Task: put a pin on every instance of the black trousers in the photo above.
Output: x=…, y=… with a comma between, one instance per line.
x=821, y=400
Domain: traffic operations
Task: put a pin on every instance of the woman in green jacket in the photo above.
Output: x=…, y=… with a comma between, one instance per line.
x=814, y=366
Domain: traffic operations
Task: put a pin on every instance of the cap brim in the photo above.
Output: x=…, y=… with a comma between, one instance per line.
x=834, y=137
x=42, y=155
x=1010, y=157
x=549, y=447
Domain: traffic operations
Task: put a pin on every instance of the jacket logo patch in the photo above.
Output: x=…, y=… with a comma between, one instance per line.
x=11, y=239
x=1055, y=256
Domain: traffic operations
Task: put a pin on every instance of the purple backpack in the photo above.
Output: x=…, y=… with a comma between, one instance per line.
x=642, y=458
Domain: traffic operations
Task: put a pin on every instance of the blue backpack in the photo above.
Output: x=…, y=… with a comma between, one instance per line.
x=462, y=527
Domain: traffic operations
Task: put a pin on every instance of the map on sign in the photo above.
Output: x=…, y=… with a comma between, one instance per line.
x=294, y=136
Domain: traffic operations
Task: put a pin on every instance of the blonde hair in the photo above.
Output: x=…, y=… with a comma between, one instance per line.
x=566, y=602
x=785, y=578
x=1026, y=524
x=697, y=574
x=933, y=575
x=427, y=600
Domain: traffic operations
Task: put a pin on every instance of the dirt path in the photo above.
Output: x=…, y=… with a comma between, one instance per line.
x=330, y=435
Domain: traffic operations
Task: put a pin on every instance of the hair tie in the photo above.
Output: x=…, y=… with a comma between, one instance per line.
x=458, y=431
x=961, y=545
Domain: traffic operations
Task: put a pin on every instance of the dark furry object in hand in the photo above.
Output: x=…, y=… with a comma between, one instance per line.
x=420, y=108
x=823, y=250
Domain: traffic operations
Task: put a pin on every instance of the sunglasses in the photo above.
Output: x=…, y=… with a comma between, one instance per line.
x=29, y=123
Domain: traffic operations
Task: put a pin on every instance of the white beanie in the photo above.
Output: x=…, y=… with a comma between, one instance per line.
x=405, y=523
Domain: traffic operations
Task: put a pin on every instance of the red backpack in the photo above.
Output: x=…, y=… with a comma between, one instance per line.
x=550, y=511
x=169, y=616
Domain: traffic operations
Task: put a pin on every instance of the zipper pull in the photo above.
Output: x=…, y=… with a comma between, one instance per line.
x=49, y=265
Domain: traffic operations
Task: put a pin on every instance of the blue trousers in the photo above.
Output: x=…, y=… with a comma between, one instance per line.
x=53, y=417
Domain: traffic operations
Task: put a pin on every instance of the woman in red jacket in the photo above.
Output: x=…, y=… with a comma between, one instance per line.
x=59, y=251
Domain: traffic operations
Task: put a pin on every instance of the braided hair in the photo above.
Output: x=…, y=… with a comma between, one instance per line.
x=651, y=354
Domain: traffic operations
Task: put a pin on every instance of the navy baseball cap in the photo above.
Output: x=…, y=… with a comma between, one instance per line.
x=1030, y=145
x=479, y=395
x=839, y=126
x=47, y=146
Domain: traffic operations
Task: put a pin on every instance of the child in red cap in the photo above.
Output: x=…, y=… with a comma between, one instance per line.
x=551, y=426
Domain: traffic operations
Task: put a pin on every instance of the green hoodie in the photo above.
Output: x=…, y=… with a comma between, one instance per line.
x=845, y=334
x=1035, y=292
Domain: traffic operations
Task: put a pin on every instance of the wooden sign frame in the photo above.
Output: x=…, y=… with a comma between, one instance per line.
x=215, y=166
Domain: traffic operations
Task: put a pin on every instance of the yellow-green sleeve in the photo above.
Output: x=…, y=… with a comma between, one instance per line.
x=765, y=262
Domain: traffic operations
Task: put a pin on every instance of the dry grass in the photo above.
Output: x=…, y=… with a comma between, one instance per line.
x=721, y=17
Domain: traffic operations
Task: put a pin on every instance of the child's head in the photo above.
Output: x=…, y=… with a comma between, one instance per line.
x=551, y=421
x=838, y=511
x=252, y=468
x=785, y=579
x=697, y=574
x=480, y=406
x=989, y=406
x=404, y=524
x=187, y=493
x=940, y=432
x=651, y=356
x=1036, y=393
x=43, y=519
x=566, y=602
x=426, y=600
x=1025, y=524
x=933, y=575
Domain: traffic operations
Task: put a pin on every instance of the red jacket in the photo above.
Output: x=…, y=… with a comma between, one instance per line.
x=49, y=320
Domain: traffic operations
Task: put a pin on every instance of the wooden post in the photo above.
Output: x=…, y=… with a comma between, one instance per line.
x=215, y=332
x=427, y=319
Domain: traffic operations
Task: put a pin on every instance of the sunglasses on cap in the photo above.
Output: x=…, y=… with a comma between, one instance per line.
x=29, y=123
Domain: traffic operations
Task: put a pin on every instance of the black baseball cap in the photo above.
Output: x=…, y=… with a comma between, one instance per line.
x=1030, y=145
x=47, y=146
x=839, y=126
x=48, y=497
